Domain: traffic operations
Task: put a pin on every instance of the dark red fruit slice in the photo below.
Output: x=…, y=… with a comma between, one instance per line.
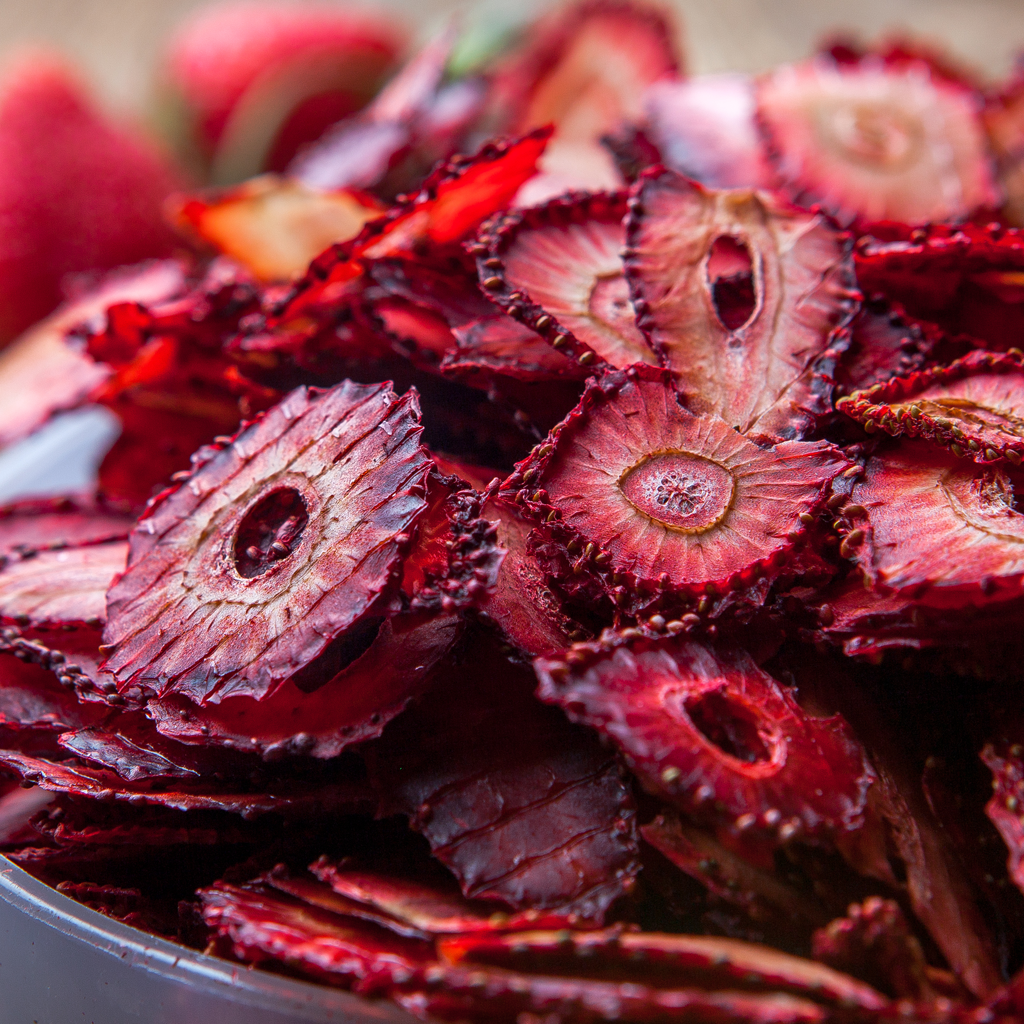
x=677, y=502
x=43, y=372
x=62, y=586
x=558, y=268
x=875, y=943
x=716, y=736
x=766, y=898
x=1004, y=124
x=414, y=908
x=704, y=127
x=274, y=226
x=661, y=960
x=751, y=362
x=31, y=697
x=351, y=707
x=873, y=142
x=974, y=406
x=1006, y=808
x=292, y=532
x=521, y=806
x=937, y=529
x=37, y=524
x=299, y=797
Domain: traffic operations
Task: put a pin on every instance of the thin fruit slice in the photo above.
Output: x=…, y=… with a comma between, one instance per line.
x=279, y=543
x=420, y=909
x=661, y=960
x=32, y=698
x=974, y=406
x=320, y=720
x=704, y=127
x=873, y=141
x=497, y=345
x=1004, y=124
x=939, y=530
x=274, y=226
x=39, y=524
x=680, y=503
x=874, y=942
x=521, y=806
x=1006, y=808
x=747, y=356
x=558, y=268
x=61, y=587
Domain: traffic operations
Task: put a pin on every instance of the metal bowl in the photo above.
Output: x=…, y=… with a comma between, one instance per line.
x=62, y=963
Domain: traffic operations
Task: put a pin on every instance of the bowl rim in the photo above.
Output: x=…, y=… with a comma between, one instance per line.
x=205, y=975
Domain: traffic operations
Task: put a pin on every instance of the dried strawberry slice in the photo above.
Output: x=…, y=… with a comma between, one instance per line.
x=716, y=735
x=37, y=524
x=874, y=942
x=1004, y=124
x=558, y=269
x=872, y=141
x=704, y=127
x=763, y=896
x=349, y=708
x=274, y=226
x=751, y=362
x=520, y=805
x=411, y=907
x=294, y=531
x=1006, y=808
x=31, y=697
x=64, y=586
x=661, y=960
x=942, y=531
x=680, y=503
x=974, y=406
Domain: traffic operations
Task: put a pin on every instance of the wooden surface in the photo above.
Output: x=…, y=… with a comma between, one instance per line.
x=117, y=41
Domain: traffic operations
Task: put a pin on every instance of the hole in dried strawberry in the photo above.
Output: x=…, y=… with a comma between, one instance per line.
x=269, y=532
x=682, y=491
x=730, y=273
x=727, y=726
x=611, y=305
x=338, y=655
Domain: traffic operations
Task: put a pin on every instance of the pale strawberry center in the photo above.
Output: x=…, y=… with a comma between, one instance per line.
x=610, y=304
x=681, y=491
x=269, y=532
x=875, y=135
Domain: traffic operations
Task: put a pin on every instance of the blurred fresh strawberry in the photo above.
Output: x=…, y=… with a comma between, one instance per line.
x=245, y=85
x=77, y=192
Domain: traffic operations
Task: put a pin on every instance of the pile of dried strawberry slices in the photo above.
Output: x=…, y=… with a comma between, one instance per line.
x=561, y=559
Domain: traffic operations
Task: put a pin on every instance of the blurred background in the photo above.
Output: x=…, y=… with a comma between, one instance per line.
x=117, y=41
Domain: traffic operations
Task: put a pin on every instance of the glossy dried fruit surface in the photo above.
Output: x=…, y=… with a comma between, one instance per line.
x=876, y=142
x=752, y=361
x=717, y=736
x=974, y=406
x=558, y=267
x=679, y=501
x=275, y=545
x=938, y=529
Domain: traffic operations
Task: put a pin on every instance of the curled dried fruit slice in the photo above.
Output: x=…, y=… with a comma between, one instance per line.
x=973, y=407
x=716, y=735
x=679, y=502
x=32, y=698
x=274, y=226
x=1006, y=808
x=62, y=586
x=939, y=530
x=520, y=805
x=558, y=268
x=739, y=295
x=660, y=960
x=278, y=544
x=37, y=524
x=875, y=142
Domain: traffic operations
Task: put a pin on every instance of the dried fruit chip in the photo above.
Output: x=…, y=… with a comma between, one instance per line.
x=974, y=406
x=278, y=544
x=875, y=142
x=1006, y=808
x=938, y=529
x=679, y=502
x=716, y=735
x=520, y=805
x=32, y=698
x=38, y=524
x=1004, y=123
x=739, y=295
